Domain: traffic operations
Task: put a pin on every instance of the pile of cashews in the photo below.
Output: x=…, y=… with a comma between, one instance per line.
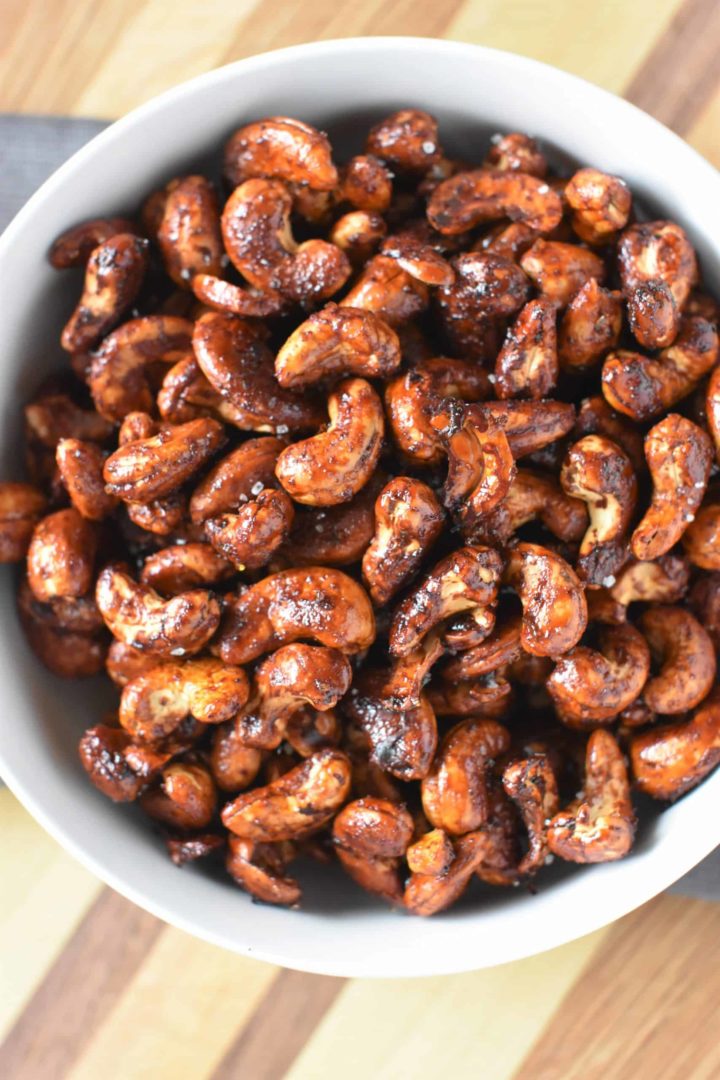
x=384, y=495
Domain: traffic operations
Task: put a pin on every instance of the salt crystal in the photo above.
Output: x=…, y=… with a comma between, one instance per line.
x=609, y=581
x=496, y=138
x=491, y=378
x=186, y=273
x=549, y=859
x=177, y=652
x=428, y=147
x=257, y=487
x=282, y=429
x=543, y=189
x=689, y=517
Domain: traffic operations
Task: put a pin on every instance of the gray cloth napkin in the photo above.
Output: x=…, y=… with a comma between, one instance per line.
x=31, y=148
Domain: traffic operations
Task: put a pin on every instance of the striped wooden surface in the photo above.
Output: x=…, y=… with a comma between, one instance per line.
x=92, y=987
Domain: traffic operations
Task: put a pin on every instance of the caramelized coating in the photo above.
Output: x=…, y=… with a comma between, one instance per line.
x=496, y=651
x=560, y=270
x=656, y=254
x=712, y=409
x=481, y=467
x=470, y=198
x=421, y=261
x=387, y=290
x=402, y=737
x=669, y=760
x=488, y=289
x=189, y=231
x=316, y=603
x=160, y=516
x=61, y=556
x=684, y=653
x=233, y=764
x=335, y=535
x=124, y=663
x=529, y=425
x=554, y=606
x=310, y=730
x=21, y=507
x=661, y=582
x=595, y=417
x=532, y=786
x=600, y=202
x=294, y=806
x=516, y=152
x=75, y=246
x=427, y=894
x=102, y=752
x=80, y=465
x=366, y=183
x=486, y=695
x=591, y=686
x=371, y=837
x=527, y=364
x=359, y=234
x=259, y=869
x=590, y=326
x=183, y=850
x=534, y=496
x=455, y=791
x=251, y=537
x=701, y=539
x=221, y=295
x=284, y=148
x=332, y=467
x=180, y=567
x=184, y=797
x=63, y=634
x=52, y=417
x=113, y=276
x=337, y=341
x=599, y=826
x=407, y=140
x=431, y=854
x=408, y=521
x=152, y=468
x=679, y=455
x=236, y=478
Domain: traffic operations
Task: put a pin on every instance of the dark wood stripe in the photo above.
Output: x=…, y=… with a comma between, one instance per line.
x=682, y=71
x=647, y=1004
x=281, y=1026
x=79, y=990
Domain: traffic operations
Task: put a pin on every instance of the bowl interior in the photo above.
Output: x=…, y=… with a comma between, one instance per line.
x=342, y=86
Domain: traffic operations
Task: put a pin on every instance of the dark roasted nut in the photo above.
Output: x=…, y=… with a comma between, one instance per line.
x=337, y=341
x=371, y=837
x=63, y=634
x=366, y=183
x=184, y=798
x=387, y=290
x=183, y=849
x=236, y=479
x=232, y=299
x=516, y=152
x=124, y=663
x=561, y=270
x=284, y=148
x=529, y=425
x=591, y=686
x=684, y=652
x=234, y=764
x=662, y=582
x=669, y=760
x=359, y=234
x=428, y=893
x=21, y=507
x=595, y=417
x=601, y=205
x=81, y=468
x=532, y=786
x=704, y=600
x=490, y=696
x=421, y=261
x=658, y=269
x=431, y=854
x=455, y=792
x=334, y=535
x=251, y=537
x=527, y=364
x=310, y=730
x=701, y=539
x=481, y=467
x=189, y=232
x=470, y=198
x=553, y=600
x=590, y=326
x=181, y=567
x=488, y=289
x=163, y=517
x=61, y=556
x=103, y=755
x=408, y=521
x=407, y=140
x=151, y=468
x=533, y=495
x=113, y=276
x=53, y=417
x=259, y=869
x=496, y=651
x=75, y=246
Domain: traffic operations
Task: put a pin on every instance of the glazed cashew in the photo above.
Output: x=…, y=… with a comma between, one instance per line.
x=310, y=730
x=516, y=152
x=642, y=386
x=371, y=837
x=528, y=425
x=527, y=364
x=599, y=826
x=118, y=378
x=53, y=417
x=335, y=535
x=184, y=797
x=236, y=478
x=488, y=289
x=601, y=204
x=181, y=567
x=597, y=471
x=679, y=456
x=500, y=648
x=667, y=761
x=455, y=791
x=595, y=417
x=232, y=299
x=533, y=495
x=124, y=663
x=153, y=468
x=251, y=537
x=137, y=616
x=489, y=696
x=481, y=467
x=553, y=600
x=590, y=326
x=686, y=657
x=283, y=148
x=560, y=270
x=81, y=469
x=663, y=581
x=701, y=539
x=359, y=234
x=155, y=704
x=658, y=269
x=63, y=634
x=470, y=198
x=532, y=786
x=189, y=231
x=163, y=517
x=240, y=367
x=426, y=894
x=21, y=507
x=260, y=870
x=75, y=246
x=407, y=139
x=331, y=467
x=286, y=681
x=387, y=290
x=337, y=341
x=366, y=183
x=260, y=244
x=294, y=806
x=467, y=579
x=113, y=276
x=408, y=521
x=314, y=603
x=184, y=849
x=61, y=556
x=418, y=259
x=103, y=753
x=591, y=686
x=234, y=764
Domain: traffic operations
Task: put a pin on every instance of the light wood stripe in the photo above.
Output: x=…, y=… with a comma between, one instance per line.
x=704, y=135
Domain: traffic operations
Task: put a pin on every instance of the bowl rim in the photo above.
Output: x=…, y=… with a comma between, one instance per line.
x=660, y=874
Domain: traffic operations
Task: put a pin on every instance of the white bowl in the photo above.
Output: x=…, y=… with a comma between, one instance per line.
x=340, y=85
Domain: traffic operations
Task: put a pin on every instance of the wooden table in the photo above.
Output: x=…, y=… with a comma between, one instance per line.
x=90, y=986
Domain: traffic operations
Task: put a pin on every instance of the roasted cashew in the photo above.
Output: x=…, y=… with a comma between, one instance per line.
x=712, y=409
x=260, y=870
x=516, y=152
x=481, y=467
x=510, y=241
x=103, y=752
x=53, y=417
x=431, y=854
x=686, y=657
x=260, y=245
x=667, y=761
x=335, y=535
x=499, y=866
x=284, y=148
x=663, y=581
x=240, y=367
x=189, y=231
x=118, y=378
x=490, y=696
x=151, y=468
x=401, y=731
x=408, y=521
x=21, y=507
x=236, y=478
x=600, y=202
x=232, y=299
x=553, y=600
x=643, y=386
x=455, y=791
x=185, y=849
x=701, y=539
x=597, y=471
x=359, y=234
x=598, y=826
x=488, y=289
x=679, y=456
x=496, y=651
x=467, y=579
x=533, y=495
x=155, y=704
x=81, y=469
x=527, y=364
x=251, y=537
x=315, y=603
x=591, y=686
x=163, y=517
x=337, y=341
x=387, y=290
x=113, y=276
x=529, y=425
x=137, y=616
x=590, y=326
x=181, y=567
x=421, y=261
x=658, y=269
x=331, y=467
x=467, y=629
x=595, y=417
x=426, y=894
x=61, y=556
x=560, y=270
x=532, y=786
x=184, y=797
x=124, y=663
x=371, y=837
x=407, y=139
x=75, y=246
x=471, y=198
x=63, y=634
x=295, y=805
x=309, y=730
x=234, y=764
